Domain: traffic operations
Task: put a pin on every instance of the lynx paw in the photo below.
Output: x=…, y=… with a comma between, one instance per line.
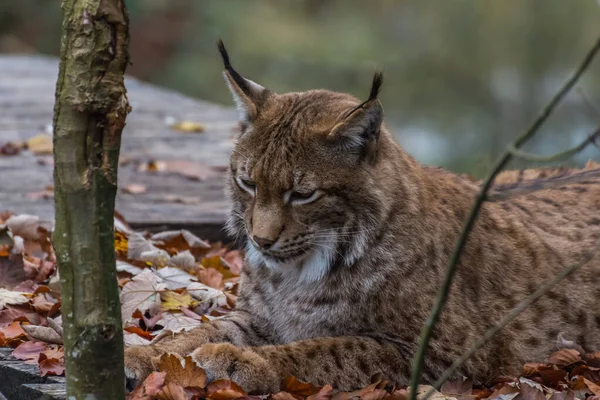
x=139, y=363
x=241, y=365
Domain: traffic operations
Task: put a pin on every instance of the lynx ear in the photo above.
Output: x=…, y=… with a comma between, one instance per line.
x=360, y=126
x=248, y=95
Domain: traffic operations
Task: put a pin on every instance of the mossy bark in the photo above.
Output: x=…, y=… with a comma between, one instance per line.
x=89, y=116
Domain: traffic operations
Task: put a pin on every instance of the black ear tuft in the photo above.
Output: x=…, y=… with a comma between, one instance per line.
x=239, y=80
x=377, y=82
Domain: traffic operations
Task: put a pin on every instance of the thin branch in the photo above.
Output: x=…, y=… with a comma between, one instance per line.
x=506, y=320
x=419, y=359
x=557, y=156
x=512, y=190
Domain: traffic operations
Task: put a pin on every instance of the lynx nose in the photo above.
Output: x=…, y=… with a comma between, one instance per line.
x=262, y=242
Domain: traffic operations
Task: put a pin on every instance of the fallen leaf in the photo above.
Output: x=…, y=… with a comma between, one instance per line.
x=134, y=188
x=141, y=293
x=11, y=271
x=224, y=390
x=172, y=391
x=595, y=388
x=40, y=144
x=531, y=390
x=565, y=395
x=43, y=333
x=325, y=393
x=211, y=277
x=175, y=278
x=457, y=387
x=564, y=357
x=10, y=297
x=54, y=351
x=188, y=126
x=11, y=148
x=176, y=241
x=174, y=300
x=52, y=366
x=183, y=372
x=149, y=388
x=178, y=322
x=131, y=339
x=207, y=295
x=298, y=388
x=29, y=351
x=188, y=169
x=10, y=315
x=139, y=331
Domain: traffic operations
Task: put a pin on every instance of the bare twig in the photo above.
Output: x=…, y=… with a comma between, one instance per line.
x=508, y=319
x=419, y=359
x=512, y=190
x=557, y=156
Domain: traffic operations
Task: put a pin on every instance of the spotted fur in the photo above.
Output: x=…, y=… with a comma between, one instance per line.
x=336, y=290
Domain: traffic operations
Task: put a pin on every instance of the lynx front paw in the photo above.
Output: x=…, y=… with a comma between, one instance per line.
x=140, y=361
x=241, y=365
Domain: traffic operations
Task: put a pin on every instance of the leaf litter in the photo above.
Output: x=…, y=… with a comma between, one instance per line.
x=174, y=281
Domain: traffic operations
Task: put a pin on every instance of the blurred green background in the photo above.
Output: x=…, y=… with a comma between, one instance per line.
x=462, y=77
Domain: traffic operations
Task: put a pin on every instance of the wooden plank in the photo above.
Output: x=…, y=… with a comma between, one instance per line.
x=171, y=200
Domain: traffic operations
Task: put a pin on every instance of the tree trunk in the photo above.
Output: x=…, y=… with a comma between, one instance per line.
x=89, y=116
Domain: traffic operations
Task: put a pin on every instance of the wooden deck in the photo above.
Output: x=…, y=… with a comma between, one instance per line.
x=171, y=200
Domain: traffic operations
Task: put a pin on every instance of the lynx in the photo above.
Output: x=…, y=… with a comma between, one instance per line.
x=347, y=238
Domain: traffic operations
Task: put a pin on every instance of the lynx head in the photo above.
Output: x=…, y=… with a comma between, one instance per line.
x=302, y=184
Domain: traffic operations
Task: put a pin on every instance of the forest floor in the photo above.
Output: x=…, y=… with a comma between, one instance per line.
x=174, y=281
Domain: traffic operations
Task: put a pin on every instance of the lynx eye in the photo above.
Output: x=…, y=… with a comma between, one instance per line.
x=299, y=198
x=246, y=185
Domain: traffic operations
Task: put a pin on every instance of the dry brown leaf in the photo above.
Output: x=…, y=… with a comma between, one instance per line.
x=298, y=388
x=51, y=366
x=43, y=333
x=188, y=126
x=211, y=277
x=172, y=391
x=40, y=144
x=151, y=386
x=457, y=387
x=141, y=293
x=564, y=357
x=186, y=375
x=11, y=148
x=326, y=393
x=594, y=387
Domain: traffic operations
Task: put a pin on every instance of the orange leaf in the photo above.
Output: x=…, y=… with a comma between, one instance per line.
x=224, y=385
x=296, y=387
x=172, y=391
x=564, y=357
x=51, y=366
x=13, y=331
x=139, y=331
x=149, y=388
x=211, y=277
x=189, y=375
